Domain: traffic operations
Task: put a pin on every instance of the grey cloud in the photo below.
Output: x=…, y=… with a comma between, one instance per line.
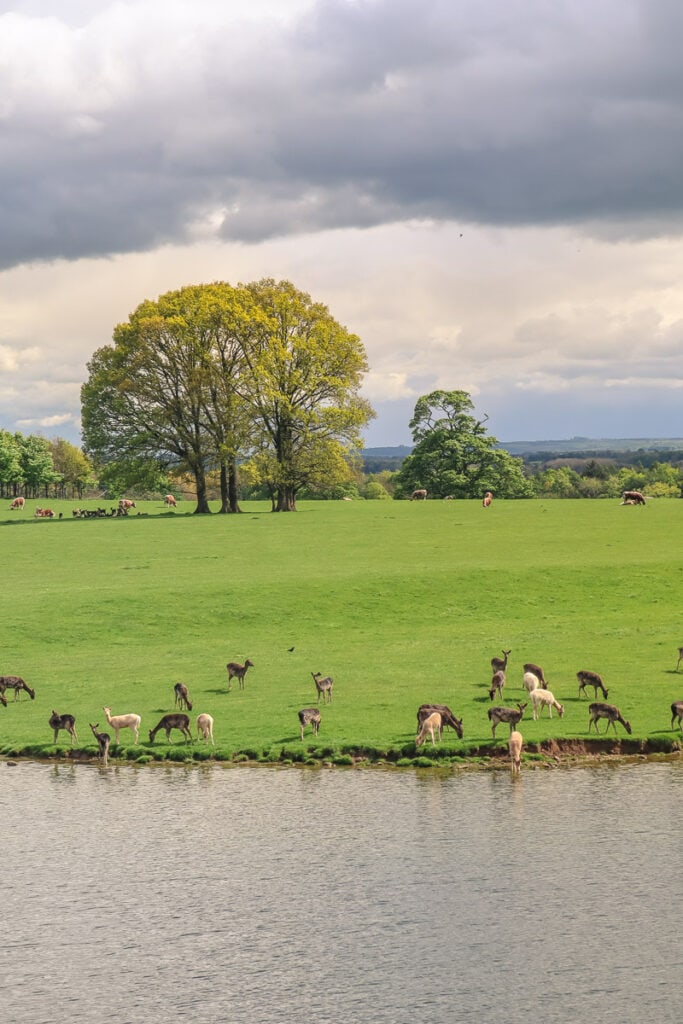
x=356, y=115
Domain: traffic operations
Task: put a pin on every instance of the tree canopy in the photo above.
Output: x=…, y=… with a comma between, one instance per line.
x=454, y=454
x=213, y=374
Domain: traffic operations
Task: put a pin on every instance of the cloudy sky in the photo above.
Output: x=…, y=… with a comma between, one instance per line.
x=488, y=192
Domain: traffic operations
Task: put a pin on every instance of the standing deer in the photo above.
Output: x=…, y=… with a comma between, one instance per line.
x=611, y=713
x=431, y=724
x=680, y=657
x=677, y=713
x=238, y=672
x=17, y=684
x=512, y=716
x=67, y=722
x=515, y=744
x=587, y=678
x=182, y=697
x=103, y=742
x=447, y=717
x=323, y=686
x=500, y=664
x=309, y=716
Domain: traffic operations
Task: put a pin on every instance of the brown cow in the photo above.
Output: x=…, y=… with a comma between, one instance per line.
x=44, y=513
x=419, y=495
x=488, y=498
x=126, y=503
x=18, y=503
x=632, y=498
x=170, y=501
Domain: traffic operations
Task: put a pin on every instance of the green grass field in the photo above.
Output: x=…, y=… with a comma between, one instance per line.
x=401, y=602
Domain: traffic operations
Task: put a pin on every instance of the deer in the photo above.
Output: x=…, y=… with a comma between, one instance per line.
x=238, y=672
x=677, y=713
x=205, y=728
x=172, y=721
x=545, y=699
x=680, y=657
x=500, y=664
x=17, y=684
x=182, y=697
x=497, y=684
x=537, y=671
x=512, y=716
x=608, y=711
x=587, y=678
x=323, y=686
x=431, y=724
x=67, y=722
x=103, y=741
x=118, y=722
x=447, y=716
x=515, y=744
x=309, y=716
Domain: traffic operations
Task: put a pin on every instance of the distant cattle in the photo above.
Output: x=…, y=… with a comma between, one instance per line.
x=488, y=498
x=170, y=501
x=18, y=503
x=44, y=513
x=419, y=495
x=125, y=504
x=632, y=498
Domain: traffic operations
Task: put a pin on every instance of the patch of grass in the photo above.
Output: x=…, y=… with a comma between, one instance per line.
x=402, y=604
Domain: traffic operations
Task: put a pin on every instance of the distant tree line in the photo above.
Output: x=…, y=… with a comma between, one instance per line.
x=34, y=467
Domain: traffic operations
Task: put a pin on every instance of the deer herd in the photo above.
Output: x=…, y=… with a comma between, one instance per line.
x=432, y=719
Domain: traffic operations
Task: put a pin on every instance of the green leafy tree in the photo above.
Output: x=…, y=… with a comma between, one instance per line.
x=37, y=467
x=10, y=462
x=305, y=372
x=74, y=468
x=455, y=455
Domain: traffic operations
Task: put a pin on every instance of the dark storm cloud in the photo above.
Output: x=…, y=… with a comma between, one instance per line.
x=132, y=133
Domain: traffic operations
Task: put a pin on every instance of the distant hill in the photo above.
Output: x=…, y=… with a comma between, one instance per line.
x=399, y=452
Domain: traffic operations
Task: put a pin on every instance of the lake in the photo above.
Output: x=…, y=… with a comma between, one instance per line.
x=215, y=893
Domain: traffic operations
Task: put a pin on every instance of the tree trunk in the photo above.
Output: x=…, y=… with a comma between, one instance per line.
x=202, y=500
x=286, y=499
x=225, y=502
x=233, y=497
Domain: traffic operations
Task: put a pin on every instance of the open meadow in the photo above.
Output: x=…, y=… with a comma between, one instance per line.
x=402, y=603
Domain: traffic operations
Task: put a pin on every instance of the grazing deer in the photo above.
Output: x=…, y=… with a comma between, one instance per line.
x=447, y=716
x=587, y=678
x=168, y=722
x=238, y=672
x=497, y=684
x=205, y=728
x=309, y=716
x=67, y=722
x=431, y=724
x=17, y=684
x=513, y=716
x=182, y=697
x=537, y=671
x=677, y=713
x=103, y=741
x=500, y=664
x=611, y=713
x=323, y=686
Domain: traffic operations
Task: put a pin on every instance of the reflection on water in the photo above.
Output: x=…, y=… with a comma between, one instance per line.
x=276, y=895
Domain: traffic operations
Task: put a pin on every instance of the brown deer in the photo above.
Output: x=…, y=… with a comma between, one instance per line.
x=238, y=672
x=537, y=671
x=680, y=657
x=677, y=713
x=172, y=721
x=513, y=716
x=447, y=716
x=500, y=664
x=587, y=678
x=67, y=722
x=182, y=697
x=611, y=713
x=17, y=684
x=497, y=684
x=309, y=716
x=103, y=742
x=323, y=686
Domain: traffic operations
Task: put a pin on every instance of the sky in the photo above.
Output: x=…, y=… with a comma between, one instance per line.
x=490, y=194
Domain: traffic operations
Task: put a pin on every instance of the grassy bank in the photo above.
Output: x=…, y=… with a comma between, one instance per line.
x=400, y=602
